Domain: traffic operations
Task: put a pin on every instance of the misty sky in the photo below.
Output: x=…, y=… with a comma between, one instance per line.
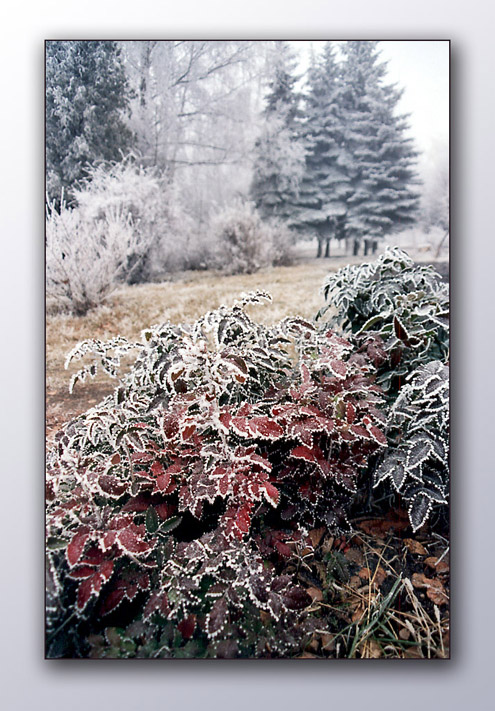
x=421, y=68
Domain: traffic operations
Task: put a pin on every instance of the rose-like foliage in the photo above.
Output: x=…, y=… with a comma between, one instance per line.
x=219, y=428
x=396, y=310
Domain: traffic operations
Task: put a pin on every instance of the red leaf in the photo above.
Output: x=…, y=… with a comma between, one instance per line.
x=223, y=485
x=217, y=617
x=137, y=503
x=265, y=427
x=163, y=481
x=283, y=549
x=338, y=368
x=106, y=569
x=272, y=494
x=188, y=432
x=163, y=510
x=84, y=593
x=131, y=541
x=304, y=453
x=76, y=546
x=108, y=540
x=157, y=468
x=158, y=602
x=112, y=601
x=186, y=626
x=377, y=434
x=84, y=571
x=225, y=420
x=93, y=556
x=296, y=598
x=350, y=413
x=240, y=425
x=111, y=485
x=360, y=431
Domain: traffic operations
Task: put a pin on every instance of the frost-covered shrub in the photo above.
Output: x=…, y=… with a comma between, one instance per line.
x=222, y=428
x=87, y=258
x=416, y=464
x=127, y=226
x=245, y=243
x=154, y=207
x=395, y=308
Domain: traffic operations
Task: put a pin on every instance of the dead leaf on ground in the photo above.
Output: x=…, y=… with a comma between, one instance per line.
x=415, y=546
x=370, y=649
x=439, y=567
x=327, y=544
x=354, y=555
x=328, y=642
x=404, y=633
x=358, y=614
x=435, y=590
x=316, y=535
x=354, y=581
x=315, y=594
x=394, y=521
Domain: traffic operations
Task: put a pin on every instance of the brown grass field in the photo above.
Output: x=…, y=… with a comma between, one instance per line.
x=295, y=290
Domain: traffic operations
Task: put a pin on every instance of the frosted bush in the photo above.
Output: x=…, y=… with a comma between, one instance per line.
x=88, y=257
x=154, y=206
x=245, y=243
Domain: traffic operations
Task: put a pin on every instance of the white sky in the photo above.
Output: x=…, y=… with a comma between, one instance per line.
x=421, y=68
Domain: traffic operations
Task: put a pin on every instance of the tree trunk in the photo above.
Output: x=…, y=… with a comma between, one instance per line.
x=366, y=247
x=355, y=250
x=437, y=253
x=318, y=253
x=374, y=247
x=327, y=248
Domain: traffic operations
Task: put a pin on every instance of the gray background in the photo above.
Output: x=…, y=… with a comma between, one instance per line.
x=29, y=682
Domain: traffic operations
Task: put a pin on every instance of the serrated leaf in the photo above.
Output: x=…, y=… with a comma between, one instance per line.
x=151, y=520
x=419, y=510
x=170, y=524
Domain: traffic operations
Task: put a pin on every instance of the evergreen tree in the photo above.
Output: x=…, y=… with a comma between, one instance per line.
x=279, y=152
x=380, y=157
x=87, y=98
x=324, y=190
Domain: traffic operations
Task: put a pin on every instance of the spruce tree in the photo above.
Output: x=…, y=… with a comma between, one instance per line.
x=279, y=152
x=324, y=190
x=87, y=98
x=380, y=157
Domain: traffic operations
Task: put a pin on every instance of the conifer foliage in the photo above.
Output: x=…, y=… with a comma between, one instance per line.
x=322, y=199
x=87, y=99
x=279, y=152
x=359, y=172
x=381, y=158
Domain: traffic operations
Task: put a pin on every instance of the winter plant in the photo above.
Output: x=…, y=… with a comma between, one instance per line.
x=245, y=243
x=121, y=220
x=395, y=309
x=176, y=498
x=86, y=257
x=416, y=464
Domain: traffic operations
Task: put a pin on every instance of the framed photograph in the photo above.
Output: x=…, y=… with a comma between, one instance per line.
x=247, y=349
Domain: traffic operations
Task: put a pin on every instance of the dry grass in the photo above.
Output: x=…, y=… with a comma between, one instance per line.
x=294, y=290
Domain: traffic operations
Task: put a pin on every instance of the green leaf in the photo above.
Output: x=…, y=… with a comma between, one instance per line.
x=369, y=323
x=170, y=524
x=56, y=544
x=151, y=520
